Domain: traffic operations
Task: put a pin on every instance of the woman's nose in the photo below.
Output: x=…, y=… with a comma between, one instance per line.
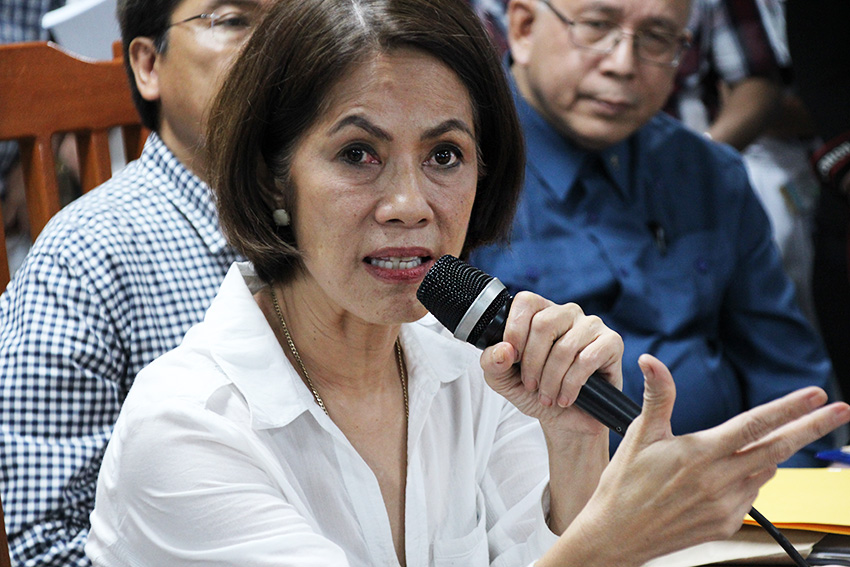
x=405, y=199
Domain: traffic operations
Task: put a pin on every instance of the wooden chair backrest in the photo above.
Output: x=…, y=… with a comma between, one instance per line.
x=44, y=91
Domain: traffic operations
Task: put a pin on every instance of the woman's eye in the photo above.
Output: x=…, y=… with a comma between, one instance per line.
x=447, y=156
x=359, y=155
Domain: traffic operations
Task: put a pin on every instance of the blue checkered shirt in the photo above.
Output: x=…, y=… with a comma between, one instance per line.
x=114, y=280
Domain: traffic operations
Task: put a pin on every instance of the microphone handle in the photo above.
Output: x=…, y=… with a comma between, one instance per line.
x=608, y=405
x=598, y=397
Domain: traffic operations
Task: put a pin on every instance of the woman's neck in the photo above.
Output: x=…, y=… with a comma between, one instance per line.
x=341, y=352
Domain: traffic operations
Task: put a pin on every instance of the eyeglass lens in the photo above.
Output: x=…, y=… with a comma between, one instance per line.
x=602, y=35
x=650, y=46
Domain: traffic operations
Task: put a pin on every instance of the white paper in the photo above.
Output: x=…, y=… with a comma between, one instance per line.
x=750, y=545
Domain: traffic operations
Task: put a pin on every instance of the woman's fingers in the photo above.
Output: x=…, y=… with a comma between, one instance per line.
x=589, y=347
x=560, y=347
x=755, y=424
x=701, y=484
x=524, y=308
x=548, y=343
x=781, y=443
x=547, y=354
x=557, y=352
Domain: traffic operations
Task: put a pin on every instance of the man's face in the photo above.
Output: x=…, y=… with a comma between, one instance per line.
x=593, y=98
x=186, y=74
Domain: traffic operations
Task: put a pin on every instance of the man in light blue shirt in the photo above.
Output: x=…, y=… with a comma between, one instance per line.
x=638, y=220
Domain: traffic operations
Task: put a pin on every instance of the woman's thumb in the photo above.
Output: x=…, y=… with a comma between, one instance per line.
x=659, y=396
x=497, y=362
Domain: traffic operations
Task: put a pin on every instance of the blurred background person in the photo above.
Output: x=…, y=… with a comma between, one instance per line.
x=727, y=83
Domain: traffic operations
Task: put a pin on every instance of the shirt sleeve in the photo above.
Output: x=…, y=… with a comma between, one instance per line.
x=61, y=387
x=767, y=339
x=740, y=46
x=154, y=508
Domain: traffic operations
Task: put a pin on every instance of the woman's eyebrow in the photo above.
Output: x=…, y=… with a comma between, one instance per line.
x=359, y=121
x=448, y=126
x=362, y=123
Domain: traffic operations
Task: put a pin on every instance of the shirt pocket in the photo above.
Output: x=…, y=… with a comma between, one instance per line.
x=469, y=550
x=677, y=293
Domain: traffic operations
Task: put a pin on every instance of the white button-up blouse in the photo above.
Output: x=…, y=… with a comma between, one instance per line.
x=221, y=457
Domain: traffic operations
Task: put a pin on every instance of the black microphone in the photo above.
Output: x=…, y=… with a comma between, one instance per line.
x=474, y=306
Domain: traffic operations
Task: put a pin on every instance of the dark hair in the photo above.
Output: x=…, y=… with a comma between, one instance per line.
x=278, y=86
x=144, y=18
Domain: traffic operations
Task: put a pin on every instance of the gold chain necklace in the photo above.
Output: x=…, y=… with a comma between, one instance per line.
x=399, y=361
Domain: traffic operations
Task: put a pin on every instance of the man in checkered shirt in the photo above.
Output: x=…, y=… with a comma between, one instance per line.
x=114, y=280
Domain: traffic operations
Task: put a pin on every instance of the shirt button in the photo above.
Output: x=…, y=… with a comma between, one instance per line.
x=615, y=162
x=624, y=272
x=701, y=265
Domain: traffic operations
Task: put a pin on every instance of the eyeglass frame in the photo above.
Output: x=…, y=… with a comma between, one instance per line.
x=684, y=42
x=211, y=16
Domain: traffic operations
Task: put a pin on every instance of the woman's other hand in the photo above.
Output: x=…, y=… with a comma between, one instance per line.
x=662, y=493
x=548, y=352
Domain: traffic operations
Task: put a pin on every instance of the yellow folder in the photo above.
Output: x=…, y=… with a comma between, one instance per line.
x=807, y=499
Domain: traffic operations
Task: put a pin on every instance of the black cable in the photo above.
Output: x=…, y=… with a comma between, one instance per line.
x=779, y=537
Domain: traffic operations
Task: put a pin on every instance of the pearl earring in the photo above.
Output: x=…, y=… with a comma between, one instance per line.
x=281, y=217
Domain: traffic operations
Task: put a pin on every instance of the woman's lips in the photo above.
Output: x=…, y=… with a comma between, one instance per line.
x=399, y=267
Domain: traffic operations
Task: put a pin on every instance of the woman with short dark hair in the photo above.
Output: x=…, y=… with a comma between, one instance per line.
x=315, y=418
x=269, y=107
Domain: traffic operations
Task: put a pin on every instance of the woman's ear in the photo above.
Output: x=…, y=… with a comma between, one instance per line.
x=273, y=190
x=275, y=193
x=143, y=56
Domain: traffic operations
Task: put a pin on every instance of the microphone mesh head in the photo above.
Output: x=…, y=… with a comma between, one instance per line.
x=449, y=289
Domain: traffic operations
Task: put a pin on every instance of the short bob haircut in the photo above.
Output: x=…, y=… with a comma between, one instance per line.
x=279, y=84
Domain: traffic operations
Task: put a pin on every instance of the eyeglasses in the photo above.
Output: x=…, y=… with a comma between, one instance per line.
x=230, y=27
x=603, y=36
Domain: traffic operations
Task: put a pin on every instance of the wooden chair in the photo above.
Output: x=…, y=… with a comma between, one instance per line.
x=45, y=91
